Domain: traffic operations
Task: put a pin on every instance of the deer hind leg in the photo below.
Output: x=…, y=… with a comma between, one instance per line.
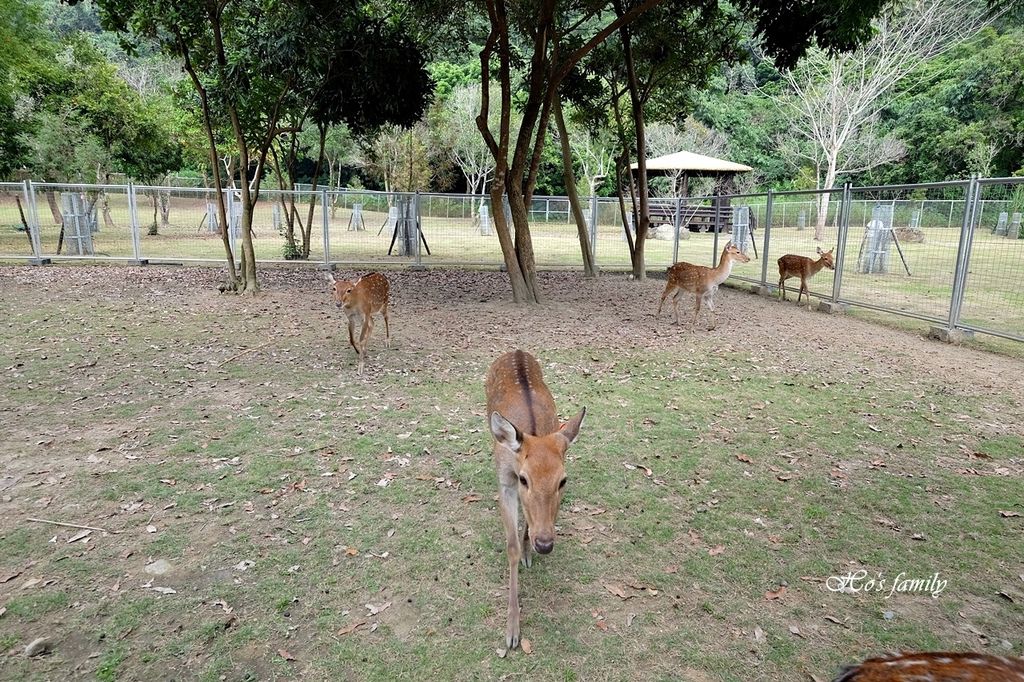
x=782, y=288
x=696, y=309
x=508, y=505
x=387, y=327
x=805, y=291
x=668, y=289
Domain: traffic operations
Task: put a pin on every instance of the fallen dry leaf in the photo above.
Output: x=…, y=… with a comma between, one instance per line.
x=759, y=634
x=777, y=594
x=349, y=629
x=602, y=626
x=716, y=550
x=472, y=497
x=526, y=646
x=618, y=590
x=283, y=653
x=501, y=653
x=744, y=458
x=378, y=608
x=796, y=631
x=1008, y=514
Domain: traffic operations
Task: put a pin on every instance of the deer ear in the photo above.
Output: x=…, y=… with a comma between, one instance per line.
x=506, y=433
x=818, y=249
x=571, y=428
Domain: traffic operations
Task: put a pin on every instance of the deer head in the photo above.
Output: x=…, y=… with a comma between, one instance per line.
x=540, y=465
x=826, y=256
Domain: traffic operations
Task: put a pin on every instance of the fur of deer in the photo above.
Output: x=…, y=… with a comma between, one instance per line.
x=363, y=298
x=701, y=281
x=529, y=456
x=803, y=267
x=936, y=667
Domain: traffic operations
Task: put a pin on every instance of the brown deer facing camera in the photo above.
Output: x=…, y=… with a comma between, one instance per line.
x=803, y=267
x=529, y=455
x=936, y=667
x=701, y=281
x=365, y=297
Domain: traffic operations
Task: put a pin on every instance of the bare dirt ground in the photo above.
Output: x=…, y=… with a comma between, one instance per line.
x=134, y=345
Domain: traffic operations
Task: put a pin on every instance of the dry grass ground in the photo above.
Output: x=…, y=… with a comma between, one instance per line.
x=319, y=525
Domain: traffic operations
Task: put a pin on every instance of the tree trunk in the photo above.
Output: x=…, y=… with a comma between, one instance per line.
x=636, y=104
x=307, y=232
x=218, y=183
x=823, y=201
x=520, y=290
x=165, y=208
x=570, y=189
x=28, y=231
x=156, y=209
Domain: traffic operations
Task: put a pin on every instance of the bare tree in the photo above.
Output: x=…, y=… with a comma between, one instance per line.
x=835, y=99
x=595, y=153
x=466, y=148
x=399, y=156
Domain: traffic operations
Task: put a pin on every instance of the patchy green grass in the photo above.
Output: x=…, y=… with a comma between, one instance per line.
x=290, y=496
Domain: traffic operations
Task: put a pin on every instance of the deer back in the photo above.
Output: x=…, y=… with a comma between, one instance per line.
x=792, y=265
x=937, y=667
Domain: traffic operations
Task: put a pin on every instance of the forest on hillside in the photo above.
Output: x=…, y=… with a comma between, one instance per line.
x=78, y=105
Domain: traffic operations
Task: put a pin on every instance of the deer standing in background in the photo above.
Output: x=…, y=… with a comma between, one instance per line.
x=803, y=267
x=529, y=455
x=365, y=297
x=702, y=281
x=936, y=667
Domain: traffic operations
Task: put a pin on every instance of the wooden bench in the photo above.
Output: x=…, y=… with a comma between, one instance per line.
x=696, y=218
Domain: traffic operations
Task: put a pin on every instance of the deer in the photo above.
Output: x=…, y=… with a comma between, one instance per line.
x=803, y=267
x=529, y=457
x=701, y=280
x=363, y=297
x=936, y=667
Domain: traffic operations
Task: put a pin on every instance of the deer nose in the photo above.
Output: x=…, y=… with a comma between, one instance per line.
x=544, y=545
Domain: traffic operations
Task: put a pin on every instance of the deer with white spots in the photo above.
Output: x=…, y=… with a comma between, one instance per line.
x=701, y=281
x=936, y=667
x=803, y=267
x=529, y=454
x=363, y=297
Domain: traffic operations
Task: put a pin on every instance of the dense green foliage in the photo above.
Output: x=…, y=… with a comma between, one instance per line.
x=75, y=105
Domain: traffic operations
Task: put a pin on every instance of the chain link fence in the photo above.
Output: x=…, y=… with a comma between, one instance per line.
x=951, y=253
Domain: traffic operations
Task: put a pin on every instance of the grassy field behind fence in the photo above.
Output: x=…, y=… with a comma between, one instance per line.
x=994, y=296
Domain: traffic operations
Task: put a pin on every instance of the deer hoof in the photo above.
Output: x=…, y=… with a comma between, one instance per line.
x=512, y=637
x=526, y=560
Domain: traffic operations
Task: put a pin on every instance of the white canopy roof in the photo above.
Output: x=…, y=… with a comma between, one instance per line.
x=688, y=161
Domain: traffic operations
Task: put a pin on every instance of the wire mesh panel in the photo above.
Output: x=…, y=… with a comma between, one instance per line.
x=802, y=223
x=459, y=228
x=994, y=287
x=899, y=256
x=83, y=221
x=288, y=225
x=554, y=233
x=15, y=217
x=374, y=227
x=179, y=224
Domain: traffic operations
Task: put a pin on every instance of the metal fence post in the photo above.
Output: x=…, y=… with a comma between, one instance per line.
x=593, y=229
x=767, y=240
x=971, y=201
x=327, y=227
x=718, y=213
x=676, y=224
x=33, y=225
x=419, y=227
x=844, y=229
x=133, y=222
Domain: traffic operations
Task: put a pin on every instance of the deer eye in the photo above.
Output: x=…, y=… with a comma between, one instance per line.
x=522, y=481
x=561, y=484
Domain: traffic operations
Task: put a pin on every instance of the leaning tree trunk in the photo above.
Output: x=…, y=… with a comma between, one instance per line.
x=520, y=290
x=570, y=189
x=823, y=201
x=636, y=104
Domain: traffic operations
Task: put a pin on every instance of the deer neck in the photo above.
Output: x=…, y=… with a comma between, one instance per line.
x=817, y=265
x=723, y=269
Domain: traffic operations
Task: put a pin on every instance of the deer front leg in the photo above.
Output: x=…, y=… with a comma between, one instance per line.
x=364, y=339
x=527, y=558
x=696, y=309
x=782, y=288
x=508, y=505
x=803, y=291
x=711, y=306
x=351, y=337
